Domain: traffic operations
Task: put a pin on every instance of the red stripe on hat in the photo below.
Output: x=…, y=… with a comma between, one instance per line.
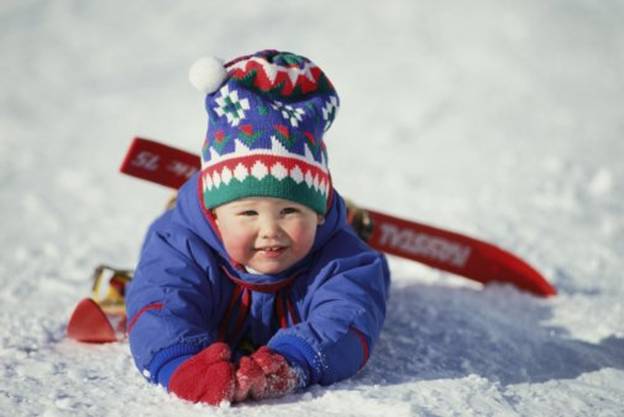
x=263, y=82
x=269, y=161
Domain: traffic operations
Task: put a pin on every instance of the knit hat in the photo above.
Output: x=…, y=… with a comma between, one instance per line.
x=267, y=114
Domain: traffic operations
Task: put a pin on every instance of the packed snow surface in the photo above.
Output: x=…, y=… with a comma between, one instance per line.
x=502, y=120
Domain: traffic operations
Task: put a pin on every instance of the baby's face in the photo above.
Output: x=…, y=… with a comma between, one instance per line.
x=267, y=234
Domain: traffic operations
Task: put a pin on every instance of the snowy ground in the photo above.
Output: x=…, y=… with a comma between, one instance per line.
x=499, y=119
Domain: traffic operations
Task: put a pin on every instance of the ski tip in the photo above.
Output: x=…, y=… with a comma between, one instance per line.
x=548, y=290
x=89, y=324
x=524, y=276
x=540, y=287
x=532, y=280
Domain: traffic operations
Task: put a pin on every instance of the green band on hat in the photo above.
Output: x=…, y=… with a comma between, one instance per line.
x=269, y=186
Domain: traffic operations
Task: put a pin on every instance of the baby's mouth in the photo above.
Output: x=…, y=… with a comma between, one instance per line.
x=271, y=250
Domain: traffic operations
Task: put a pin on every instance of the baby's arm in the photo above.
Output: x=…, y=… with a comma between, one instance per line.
x=344, y=313
x=172, y=308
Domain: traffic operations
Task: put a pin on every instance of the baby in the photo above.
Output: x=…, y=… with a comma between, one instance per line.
x=254, y=285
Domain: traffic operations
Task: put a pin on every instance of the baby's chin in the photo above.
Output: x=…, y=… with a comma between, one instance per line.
x=268, y=269
x=270, y=266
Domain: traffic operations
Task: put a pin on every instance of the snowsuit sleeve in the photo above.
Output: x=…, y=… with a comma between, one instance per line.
x=343, y=312
x=169, y=318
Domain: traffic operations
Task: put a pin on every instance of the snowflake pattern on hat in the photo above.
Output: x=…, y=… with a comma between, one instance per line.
x=265, y=131
x=230, y=106
x=293, y=115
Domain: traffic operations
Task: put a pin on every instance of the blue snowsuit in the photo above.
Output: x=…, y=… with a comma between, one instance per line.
x=323, y=314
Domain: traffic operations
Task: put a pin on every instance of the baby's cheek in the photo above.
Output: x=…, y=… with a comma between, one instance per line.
x=237, y=245
x=305, y=238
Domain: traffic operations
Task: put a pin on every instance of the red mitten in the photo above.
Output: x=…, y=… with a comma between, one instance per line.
x=207, y=377
x=264, y=375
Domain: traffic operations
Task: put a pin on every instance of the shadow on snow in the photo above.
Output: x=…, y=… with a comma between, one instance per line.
x=434, y=332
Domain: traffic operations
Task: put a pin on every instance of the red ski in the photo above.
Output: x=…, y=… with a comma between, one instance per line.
x=102, y=317
x=441, y=249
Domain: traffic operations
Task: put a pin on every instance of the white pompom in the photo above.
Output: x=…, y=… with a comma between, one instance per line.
x=207, y=74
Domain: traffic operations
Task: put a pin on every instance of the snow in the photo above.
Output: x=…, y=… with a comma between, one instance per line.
x=499, y=119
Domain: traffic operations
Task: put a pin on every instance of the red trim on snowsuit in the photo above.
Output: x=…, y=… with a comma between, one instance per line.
x=364, y=342
x=241, y=295
x=149, y=307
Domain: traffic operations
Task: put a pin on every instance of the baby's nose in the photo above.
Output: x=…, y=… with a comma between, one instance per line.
x=270, y=229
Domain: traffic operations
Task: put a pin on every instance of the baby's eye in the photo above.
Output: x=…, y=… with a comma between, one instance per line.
x=290, y=210
x=248, y=213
